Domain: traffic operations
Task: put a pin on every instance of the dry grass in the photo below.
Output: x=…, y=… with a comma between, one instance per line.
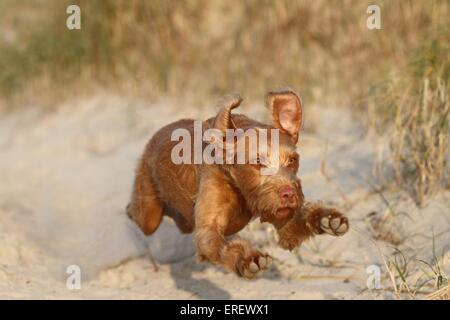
x=203, y=48
x=403, y=275
x=412, y=108
x=414, y=276
x=442, y=294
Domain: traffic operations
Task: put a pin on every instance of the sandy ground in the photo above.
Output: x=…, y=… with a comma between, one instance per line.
x=66, y=178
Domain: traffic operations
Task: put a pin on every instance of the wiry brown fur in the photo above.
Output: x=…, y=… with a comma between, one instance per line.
x=218, y=200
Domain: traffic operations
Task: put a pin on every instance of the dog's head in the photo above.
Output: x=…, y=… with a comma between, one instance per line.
x=267, y=177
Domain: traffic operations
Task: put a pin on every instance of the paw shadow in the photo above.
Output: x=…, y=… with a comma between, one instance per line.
x=182, y=274
x=273, y=273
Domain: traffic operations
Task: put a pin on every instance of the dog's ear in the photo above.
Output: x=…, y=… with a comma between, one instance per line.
x=286, y=109
x=223, y=119
x=222, y=122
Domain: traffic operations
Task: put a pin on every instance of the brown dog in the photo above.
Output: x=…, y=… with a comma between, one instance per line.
x=218, y=200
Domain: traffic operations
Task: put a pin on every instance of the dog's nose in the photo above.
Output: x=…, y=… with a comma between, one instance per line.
x=287, y=193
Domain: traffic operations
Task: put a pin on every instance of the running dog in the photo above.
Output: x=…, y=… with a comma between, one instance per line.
x=217, y=200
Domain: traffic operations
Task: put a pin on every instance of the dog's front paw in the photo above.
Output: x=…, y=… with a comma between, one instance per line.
x=253, y=265
x=333, y=223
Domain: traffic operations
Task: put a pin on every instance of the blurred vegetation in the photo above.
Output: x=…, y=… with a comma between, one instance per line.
x=207, y=48
x=412, y=109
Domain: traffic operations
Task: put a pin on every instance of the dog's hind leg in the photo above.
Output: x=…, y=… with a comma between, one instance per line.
x=145, y=208
x=183, y=224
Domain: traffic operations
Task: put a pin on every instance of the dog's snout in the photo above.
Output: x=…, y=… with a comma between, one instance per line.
x=287, y=193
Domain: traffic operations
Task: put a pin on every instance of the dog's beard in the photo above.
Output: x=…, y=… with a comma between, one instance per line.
x=283, y=213
x=277, y=214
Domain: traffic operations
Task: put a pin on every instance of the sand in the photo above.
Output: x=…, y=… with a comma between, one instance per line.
x=66, y=177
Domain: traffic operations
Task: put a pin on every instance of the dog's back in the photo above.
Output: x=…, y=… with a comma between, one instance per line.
x=162, y=183
x=162, y=186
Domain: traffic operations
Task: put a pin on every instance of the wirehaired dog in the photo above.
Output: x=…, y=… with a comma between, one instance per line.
x=216, y=200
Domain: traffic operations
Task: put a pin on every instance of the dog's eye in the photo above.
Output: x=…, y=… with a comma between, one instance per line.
x=292, y=160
